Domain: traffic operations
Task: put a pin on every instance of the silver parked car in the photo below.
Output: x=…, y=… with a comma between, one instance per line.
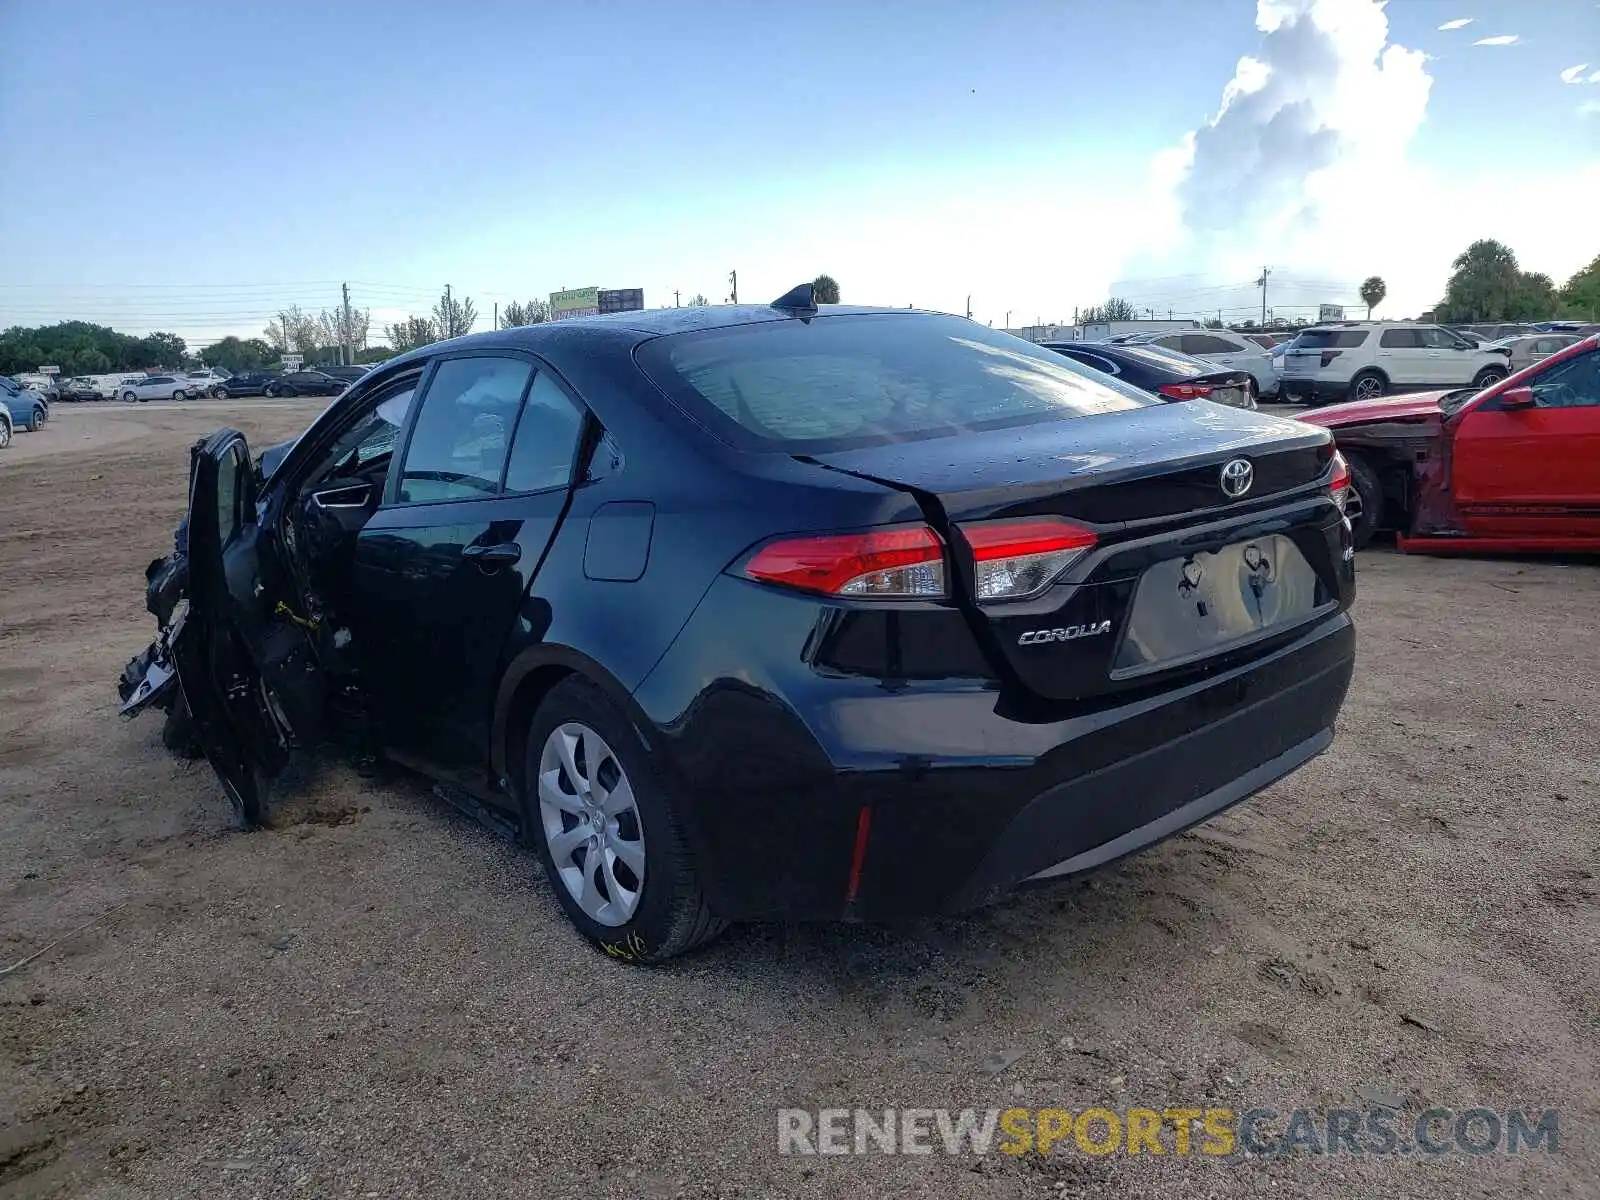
x=154, y=387
x=1225, y=349
x=1528, y=349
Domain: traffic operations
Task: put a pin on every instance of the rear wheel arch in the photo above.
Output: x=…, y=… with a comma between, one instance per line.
x=523, y=688
x=1392, y=474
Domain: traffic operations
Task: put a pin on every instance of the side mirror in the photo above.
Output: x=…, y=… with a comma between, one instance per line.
x=1517, y=397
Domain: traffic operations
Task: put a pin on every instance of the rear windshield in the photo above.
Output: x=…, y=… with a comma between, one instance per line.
x=1172, y=363
x=839, y=382
x=1330, y=339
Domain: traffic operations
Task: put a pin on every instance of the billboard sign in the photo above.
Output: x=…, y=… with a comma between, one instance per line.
x=1331, y=312
x=621, y=300
x=575, y=302
x=293, y=362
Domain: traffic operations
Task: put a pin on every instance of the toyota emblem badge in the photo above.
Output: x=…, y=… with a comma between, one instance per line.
x=1237, y=475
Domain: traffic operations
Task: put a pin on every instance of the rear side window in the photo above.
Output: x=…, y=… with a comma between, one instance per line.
x=1206, y=343
x=834, y=383
x=1330, y=339
x=457, y=449
x=547, y=437
x=1400, y=339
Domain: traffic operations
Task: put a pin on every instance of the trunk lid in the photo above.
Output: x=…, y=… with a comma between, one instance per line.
x=1181, y=572
x=1106, y=469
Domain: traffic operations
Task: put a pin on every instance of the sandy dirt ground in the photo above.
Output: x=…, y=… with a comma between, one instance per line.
x=374, y=997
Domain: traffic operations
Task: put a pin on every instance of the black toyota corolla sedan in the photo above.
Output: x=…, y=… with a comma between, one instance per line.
x=768, y=612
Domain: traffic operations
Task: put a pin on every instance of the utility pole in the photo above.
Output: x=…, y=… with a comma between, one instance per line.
x=347, y=342
x=449, y=330
x=969, y=306
x=497, y=314
x=1262, y=284
x=733, y=278
x=1008, y=318
x=675, y=298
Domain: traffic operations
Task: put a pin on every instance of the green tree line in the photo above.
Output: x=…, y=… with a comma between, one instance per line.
x=80, y=348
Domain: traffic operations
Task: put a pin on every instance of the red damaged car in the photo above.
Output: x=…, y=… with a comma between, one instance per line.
x=1513, y=467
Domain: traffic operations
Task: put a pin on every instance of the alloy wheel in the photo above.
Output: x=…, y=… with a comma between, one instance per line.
x=591, y=826
x=1368, y=387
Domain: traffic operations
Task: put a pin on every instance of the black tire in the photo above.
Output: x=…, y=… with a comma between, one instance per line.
x=129, y=397
x=219, y=393
x=1487, y=377
x=1368, y=385
x=5, y=432
x=285, y=391
x=35, y=420
x=1369, y=491
x=180, y=395
x=672, y=916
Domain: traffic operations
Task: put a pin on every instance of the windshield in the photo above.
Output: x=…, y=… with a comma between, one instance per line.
x=840, y=382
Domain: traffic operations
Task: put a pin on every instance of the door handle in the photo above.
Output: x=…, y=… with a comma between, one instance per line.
x=498, y=555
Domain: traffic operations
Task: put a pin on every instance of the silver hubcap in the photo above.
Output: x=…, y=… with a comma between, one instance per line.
x=591, y=823
x=1368, y=388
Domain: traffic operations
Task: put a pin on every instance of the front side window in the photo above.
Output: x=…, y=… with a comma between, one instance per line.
x=1574, y=383
x=836, y=383
x=1442, y=339
x=458, y=446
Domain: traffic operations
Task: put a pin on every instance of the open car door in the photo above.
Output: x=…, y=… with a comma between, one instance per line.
x=243, y=656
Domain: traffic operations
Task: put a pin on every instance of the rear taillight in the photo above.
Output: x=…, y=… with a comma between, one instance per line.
x=1329, y=355
x=1186, y=391
x=888, y=564
x=1012, y=560
x=1339, y=485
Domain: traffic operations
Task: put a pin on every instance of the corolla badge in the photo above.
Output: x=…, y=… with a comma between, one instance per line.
x=1237, y=475
x=1070, y=633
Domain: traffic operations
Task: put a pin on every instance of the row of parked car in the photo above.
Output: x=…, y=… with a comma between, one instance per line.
x=215, y=382
x=1355, y=360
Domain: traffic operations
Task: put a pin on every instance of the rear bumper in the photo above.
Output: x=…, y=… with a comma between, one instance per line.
x=1317, y=391
x=861, y=801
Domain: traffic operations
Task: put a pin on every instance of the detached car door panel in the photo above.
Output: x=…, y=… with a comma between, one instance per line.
x=473, y=501
x=1533, y=471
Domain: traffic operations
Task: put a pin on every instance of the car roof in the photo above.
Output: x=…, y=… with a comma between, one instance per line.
x=631, y=328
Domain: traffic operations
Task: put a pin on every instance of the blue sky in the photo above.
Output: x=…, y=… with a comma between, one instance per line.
x=190, y=165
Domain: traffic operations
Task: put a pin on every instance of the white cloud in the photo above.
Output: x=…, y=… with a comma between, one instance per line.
x=1595, y=77
x=1304, y=166
x=1589, y=108
x=1500, y=39
x=1458, y=23
x=1575, y=74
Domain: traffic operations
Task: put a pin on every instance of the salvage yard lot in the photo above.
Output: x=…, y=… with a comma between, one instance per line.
x=374, y=997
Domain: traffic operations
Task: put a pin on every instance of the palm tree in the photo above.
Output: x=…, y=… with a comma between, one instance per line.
x=825, y=289
x=1373, y=290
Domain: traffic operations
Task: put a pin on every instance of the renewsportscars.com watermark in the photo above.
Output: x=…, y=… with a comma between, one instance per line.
x=1214, y=1132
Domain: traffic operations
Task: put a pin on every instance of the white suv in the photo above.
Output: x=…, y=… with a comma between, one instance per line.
x=1363, y=359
